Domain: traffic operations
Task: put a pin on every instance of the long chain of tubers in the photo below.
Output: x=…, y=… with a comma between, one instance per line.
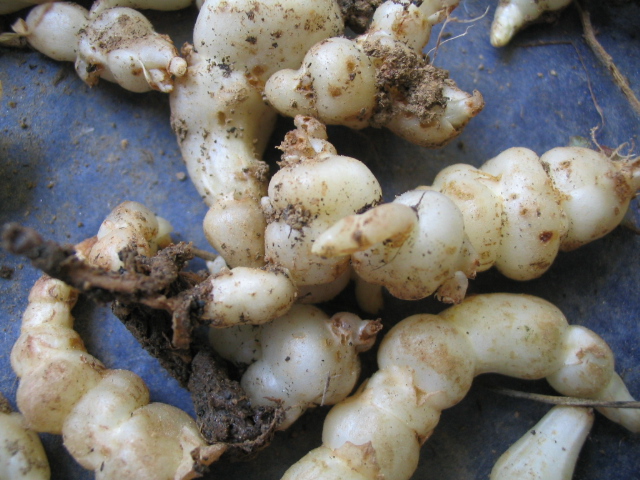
x=515, y=213
x=427, y=363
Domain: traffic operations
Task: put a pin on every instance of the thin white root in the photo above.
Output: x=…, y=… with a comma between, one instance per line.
x=549, y=450
x=301, y=359
x=428, y=362
x=22, y=456
x=513, y=15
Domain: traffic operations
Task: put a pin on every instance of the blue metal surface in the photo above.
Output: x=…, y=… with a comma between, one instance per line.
x=68, y=154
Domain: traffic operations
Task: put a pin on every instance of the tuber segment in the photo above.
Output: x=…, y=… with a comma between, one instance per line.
x=513, y=15
x=219, y=116
x=301, y=359
x=550, y=449
x=313, y=189
x=118, y=44
x=380, y=79
x=22, y=456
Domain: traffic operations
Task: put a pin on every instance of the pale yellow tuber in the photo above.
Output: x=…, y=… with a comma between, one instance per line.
x=427, y=363
x=117, y=44
x=22, y=456
x=270, y=290
x=220, y=118
x=301, y=359
x=314, y=188
x=550, y=449
x=380, y=79
x=515, y=212
x=104, y=415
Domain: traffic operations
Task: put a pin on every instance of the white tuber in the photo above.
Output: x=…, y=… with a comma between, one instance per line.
x=104, y=415
x=380, y=79
x=117, y=44
x=314, y=188
x=219, y=115
x=515, y=212
x=550, y=449
x=22, y=456
x=427, y=363
x=513, y=15
x=301, y=359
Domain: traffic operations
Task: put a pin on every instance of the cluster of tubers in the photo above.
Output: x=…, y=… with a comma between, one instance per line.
x=299, y=236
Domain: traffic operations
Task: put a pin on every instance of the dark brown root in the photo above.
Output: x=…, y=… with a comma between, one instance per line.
x=159, y=303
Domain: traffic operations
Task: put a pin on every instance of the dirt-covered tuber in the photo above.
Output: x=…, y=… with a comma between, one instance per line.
x=427, y=363
x=515, y=213
x=381, y=78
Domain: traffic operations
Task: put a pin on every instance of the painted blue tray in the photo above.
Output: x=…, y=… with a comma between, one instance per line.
x=69, y=154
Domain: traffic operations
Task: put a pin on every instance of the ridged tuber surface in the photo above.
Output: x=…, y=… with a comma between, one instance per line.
x=427, y=363
x=515, y=213
x=381, y=78
x=117, y=44
x=220, y=118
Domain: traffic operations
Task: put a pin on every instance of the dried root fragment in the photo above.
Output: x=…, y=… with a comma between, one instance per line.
x=515, y=212
x=220, y=118
x=427, y=363
x=22, y=456
x=117, y=44
x=314, y=188
x=513, y=15
x=301, y=359
x=158, y=282
x=380, y=79
x=550, y=449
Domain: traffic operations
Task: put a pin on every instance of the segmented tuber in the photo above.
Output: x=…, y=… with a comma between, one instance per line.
x=21, y=454
x=427, y=363
x=515, y=212
x=380, y=78
x=117, y=44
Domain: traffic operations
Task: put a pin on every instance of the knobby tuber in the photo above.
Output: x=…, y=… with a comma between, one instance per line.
x=117, y=44
x=220, y=119
x=22, y=456
x=549, y=450
x=427, y=363
x=515, y=212
x=314, y=188
x=380, y=79
x=104, y=415
x=300, y=359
